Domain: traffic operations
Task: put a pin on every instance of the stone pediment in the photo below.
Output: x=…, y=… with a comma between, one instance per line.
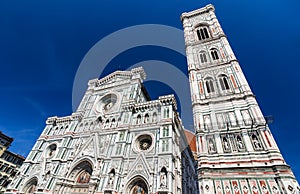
x=140, y=167
x=86, y=149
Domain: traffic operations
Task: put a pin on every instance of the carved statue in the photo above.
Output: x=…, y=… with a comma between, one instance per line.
x=111, y=179
x=240, y=143
x=226, y=144
x=163, y=179
x=211, y=146
x=256, y=142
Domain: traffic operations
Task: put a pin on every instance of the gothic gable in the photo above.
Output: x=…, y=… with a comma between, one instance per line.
x=140, y=167
x=89, y=149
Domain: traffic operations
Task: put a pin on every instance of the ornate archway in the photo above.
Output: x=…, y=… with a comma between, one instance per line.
x=79, y=179
x=137, y=185
x=30, y=186
x=81, y=175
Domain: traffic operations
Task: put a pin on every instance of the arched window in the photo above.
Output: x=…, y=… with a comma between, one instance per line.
x=223, y=80
x=202, y=56
x=214, y=54
x=202, y=33
x=209, y=85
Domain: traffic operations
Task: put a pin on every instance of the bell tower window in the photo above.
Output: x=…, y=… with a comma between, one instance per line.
x=209, y=85
x=203, y=58
x=214, y=54
x=223, y=80
x=202, y=33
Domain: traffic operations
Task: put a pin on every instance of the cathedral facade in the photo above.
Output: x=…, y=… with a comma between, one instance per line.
x=236, y=150
x=118, y=141
x=121, y=141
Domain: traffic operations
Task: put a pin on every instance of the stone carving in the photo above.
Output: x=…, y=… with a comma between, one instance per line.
x=111, y=178
x=211, y=146
x=239, y=142
x=226, y=144
x=256, y=143
x=163, y=179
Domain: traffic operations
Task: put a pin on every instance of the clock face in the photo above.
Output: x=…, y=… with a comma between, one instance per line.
x=107, y=103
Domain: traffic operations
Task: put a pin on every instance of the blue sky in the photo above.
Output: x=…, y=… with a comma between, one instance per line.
x=42, y=44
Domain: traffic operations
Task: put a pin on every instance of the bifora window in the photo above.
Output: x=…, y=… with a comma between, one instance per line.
x=209, y=85
x=223, y=80
x=214, y=54
x=203, y=58
x=202, y=33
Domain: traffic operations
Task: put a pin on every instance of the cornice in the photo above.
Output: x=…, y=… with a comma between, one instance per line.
x=196, y=12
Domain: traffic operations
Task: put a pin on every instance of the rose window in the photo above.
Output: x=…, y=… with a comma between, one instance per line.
x=144, y=142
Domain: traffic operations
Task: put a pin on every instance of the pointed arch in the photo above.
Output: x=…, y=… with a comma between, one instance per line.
x=82, y=165
x=30, y=186
x=137, y=184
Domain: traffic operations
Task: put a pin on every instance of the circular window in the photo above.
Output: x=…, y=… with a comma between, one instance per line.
x=107, y=103
x=144, y=142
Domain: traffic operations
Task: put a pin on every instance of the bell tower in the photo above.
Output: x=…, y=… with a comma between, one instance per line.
x=236, y=150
